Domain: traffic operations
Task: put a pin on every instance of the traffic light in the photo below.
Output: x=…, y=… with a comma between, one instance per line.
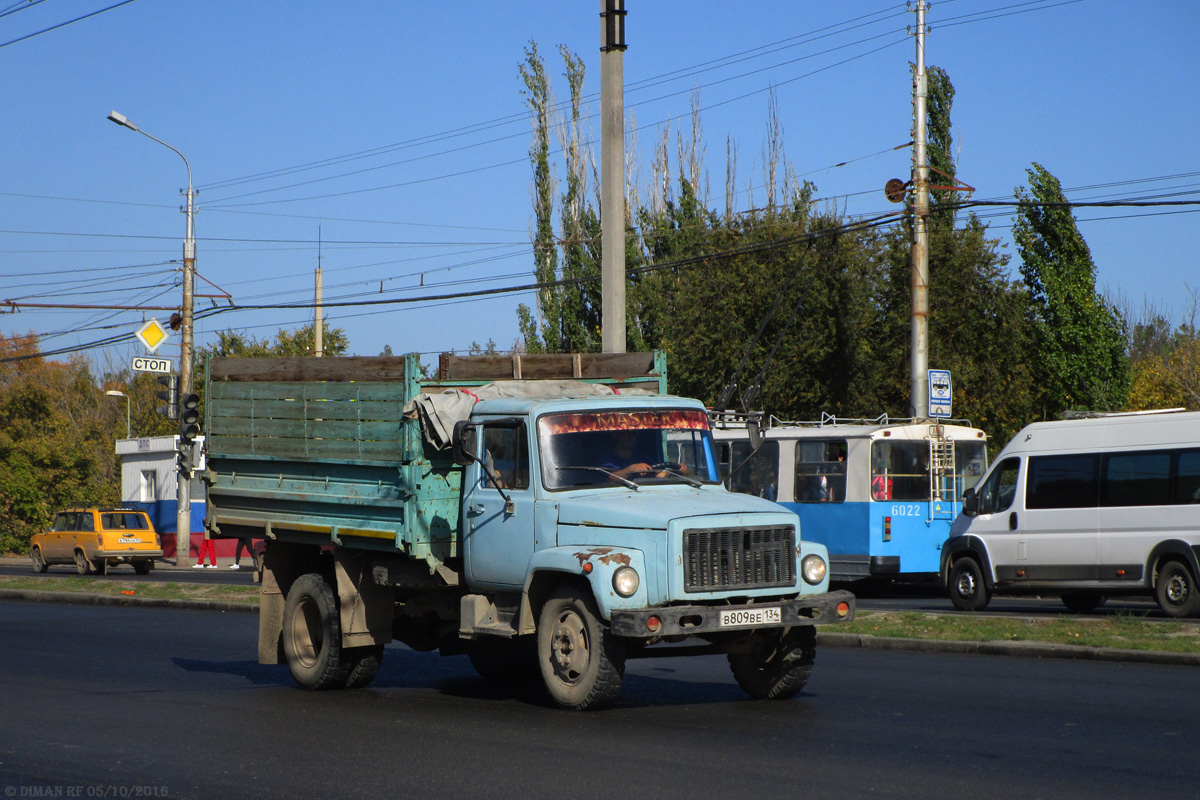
x=169, y=393
x=183, y=459
x=189, y=419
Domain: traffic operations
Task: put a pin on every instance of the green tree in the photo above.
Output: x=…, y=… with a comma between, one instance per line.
x=1079, y=347
x=57, y=430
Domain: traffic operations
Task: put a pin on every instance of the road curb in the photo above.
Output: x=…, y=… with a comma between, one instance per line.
x=88, y=599
x=1024, y=649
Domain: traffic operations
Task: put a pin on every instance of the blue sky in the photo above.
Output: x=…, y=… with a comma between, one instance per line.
x=409, y=124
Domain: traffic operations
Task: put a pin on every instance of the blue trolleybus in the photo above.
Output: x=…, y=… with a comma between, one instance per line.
x=879, y=494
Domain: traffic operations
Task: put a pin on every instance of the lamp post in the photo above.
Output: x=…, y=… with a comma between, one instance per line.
x=183, y=516
x=115, y=393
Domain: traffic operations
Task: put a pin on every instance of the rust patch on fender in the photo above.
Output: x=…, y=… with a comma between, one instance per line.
x=604, y=555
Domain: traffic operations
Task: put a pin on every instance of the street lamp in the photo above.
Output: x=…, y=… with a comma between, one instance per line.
x=183, y=517
x=115, y=393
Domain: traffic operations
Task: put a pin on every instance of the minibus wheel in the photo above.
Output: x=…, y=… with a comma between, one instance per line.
x=968, y=591
x=1175, y=590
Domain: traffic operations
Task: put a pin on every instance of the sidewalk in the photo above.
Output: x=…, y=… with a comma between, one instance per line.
x=160, y=565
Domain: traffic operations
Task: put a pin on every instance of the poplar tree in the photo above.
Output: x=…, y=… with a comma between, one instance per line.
x=1080, y=345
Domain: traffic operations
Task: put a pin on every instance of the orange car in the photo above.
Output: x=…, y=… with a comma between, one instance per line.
x=93, y=539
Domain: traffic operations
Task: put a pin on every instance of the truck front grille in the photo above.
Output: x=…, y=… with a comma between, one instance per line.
x=738, y=558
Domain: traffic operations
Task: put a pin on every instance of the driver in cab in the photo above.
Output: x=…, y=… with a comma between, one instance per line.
x=625, y=459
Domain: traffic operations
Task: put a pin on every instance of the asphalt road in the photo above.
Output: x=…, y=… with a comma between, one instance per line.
x=133, y=702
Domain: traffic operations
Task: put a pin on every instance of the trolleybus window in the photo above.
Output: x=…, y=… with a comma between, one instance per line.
x=821, y=471
x=900, y=470
x=758, y=476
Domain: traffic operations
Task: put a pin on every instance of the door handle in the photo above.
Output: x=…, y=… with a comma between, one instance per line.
x=1012, y=521
x=475, y=510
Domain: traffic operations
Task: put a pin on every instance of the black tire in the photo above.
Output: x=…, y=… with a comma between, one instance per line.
x=364, y=665
x=778, y=665
x=143, y=567
x=1176, y=591
x=581, y=662
x=497, y=659
x=82, y=565
x=968, y=591
x=39, y=563
x=1083, y=602
x=312, y=635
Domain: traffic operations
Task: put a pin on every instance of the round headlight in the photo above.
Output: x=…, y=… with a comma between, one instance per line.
x=626, y=581
x=813, y=567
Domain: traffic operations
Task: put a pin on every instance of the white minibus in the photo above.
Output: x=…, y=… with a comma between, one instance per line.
x=1085, y=508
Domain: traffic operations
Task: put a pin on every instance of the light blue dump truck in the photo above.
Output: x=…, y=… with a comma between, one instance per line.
x=552, y=515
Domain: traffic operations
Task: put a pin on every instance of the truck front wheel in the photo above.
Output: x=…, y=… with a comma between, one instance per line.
x=582, y=663
x=312, y=636
x=777, y=665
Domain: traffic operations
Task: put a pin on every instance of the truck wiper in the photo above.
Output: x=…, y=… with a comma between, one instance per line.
x=678, y=474
x=607, y=472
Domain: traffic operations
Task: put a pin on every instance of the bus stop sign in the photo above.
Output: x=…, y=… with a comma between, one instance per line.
x=940, y=394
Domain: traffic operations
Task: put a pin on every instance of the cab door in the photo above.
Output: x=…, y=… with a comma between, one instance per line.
x=998, y=522
x=498, y=506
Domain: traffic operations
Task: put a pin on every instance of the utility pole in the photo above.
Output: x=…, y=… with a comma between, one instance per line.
x=318, y=322
x=919, y=370
x=612, y=176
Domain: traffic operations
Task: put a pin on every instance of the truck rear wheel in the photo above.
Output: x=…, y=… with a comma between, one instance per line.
x=582, y=663
x=364, y=665
x=778, y=665
x=312, y=636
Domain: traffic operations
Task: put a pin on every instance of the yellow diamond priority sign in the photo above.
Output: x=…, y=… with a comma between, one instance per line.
x=152, y=334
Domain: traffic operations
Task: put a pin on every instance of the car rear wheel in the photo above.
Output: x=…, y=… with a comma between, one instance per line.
x=39, y=563
x=82, y=565
x=143, y=567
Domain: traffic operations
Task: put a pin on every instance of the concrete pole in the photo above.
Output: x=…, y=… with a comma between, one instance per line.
x=612, y=175
x=319, y=322
x=919, y=370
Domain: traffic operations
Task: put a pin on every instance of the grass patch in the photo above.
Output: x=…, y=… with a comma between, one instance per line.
x=1123, y=631
x=148, y=589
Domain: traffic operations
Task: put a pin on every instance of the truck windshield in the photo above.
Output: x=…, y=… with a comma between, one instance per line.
x=617, y=448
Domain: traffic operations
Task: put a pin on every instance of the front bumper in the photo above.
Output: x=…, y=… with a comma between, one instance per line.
x=811, y=609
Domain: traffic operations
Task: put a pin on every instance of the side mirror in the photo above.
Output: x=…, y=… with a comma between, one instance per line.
x=462, y=443
x=970, y=503
x=755, y=430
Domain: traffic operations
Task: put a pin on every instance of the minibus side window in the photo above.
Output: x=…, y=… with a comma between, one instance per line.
x=1187, y=487
x=996, y=494
x=1063, y=481
x=1137, y=479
